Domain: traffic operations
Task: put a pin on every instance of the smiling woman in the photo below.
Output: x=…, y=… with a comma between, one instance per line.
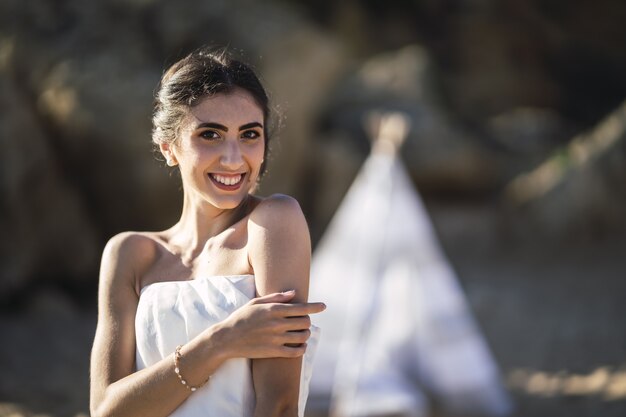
x=220, y=148
x=208, y=317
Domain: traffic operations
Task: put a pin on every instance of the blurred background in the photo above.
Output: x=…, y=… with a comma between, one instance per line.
x=517, y=146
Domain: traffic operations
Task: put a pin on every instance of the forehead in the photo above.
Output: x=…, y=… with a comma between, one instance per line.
x=236, y=107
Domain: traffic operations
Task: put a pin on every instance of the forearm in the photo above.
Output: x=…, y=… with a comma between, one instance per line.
x=157, y=390
x=276, y=396
x=151, y=391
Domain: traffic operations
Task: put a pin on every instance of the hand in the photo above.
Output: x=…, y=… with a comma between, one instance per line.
x=268, y=327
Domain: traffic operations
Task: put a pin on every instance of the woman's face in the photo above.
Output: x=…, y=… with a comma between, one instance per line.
x=220, y=149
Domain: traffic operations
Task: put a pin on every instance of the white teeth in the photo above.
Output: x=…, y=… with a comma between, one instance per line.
x=227, y=180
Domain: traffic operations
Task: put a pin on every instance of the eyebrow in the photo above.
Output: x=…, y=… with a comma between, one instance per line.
x=250, y=125
x=225, y=129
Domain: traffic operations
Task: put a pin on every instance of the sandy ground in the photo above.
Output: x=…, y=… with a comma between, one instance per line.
x=554, y=317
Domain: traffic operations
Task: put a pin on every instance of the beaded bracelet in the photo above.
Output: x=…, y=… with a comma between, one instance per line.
x=177, y=357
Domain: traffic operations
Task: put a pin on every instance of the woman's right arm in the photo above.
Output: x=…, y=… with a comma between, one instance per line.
x=259, y=329
x=116, y=390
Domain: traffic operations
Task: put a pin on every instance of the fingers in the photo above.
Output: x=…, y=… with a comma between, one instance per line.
x=297, y=337
x=277, y=297
x=298, y=309
x=292, y=351
x=294, y=324
x=280, y=306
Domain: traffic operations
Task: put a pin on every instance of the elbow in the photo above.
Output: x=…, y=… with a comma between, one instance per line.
x=101, y=408
x=287, y=409
x=291, y=411
x=95, y=407
x=277, y=408
x=98, y=410
x=101, y=412
x=95, y=412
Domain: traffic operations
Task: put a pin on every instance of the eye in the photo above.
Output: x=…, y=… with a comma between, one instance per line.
x=250, y=134
x=209, y=134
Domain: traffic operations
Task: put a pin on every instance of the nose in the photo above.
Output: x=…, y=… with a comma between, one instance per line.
x=231, y=157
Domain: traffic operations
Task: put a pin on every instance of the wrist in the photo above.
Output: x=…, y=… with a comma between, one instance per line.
x=215, y=343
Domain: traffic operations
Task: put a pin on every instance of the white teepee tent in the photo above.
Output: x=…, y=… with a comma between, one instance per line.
x=397, y=329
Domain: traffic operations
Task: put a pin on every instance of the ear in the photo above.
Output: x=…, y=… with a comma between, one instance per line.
x=166, y=150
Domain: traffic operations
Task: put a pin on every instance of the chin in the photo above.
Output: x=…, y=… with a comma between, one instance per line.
x=227, y=203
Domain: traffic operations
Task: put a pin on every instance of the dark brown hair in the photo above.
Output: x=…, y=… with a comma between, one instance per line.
x=204, y=72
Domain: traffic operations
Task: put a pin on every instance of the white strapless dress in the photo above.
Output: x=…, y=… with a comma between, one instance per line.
x=171, y=313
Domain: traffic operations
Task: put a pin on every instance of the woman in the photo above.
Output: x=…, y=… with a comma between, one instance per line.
x=177, y=318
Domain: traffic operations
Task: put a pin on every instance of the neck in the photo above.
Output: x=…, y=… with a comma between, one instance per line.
x=199, y=222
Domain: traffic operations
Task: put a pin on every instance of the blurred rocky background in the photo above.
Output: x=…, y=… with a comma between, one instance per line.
x=518, y=147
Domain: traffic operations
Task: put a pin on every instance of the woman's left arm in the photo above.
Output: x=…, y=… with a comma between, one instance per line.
x=280, y=255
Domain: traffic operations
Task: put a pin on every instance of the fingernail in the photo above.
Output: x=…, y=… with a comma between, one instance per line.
x=289, y=292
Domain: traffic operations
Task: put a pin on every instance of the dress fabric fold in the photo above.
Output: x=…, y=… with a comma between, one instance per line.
x=171, y=313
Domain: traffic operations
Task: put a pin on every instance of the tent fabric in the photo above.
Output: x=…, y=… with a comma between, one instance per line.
x=397, y=332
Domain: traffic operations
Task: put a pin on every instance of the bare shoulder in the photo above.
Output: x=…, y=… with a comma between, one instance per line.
x=129, y=248
x=129, y=243
x=124, y=257
x=279, y=212
x=279, y=246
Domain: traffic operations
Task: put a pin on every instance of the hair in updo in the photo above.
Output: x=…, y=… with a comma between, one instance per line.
x=204, y=72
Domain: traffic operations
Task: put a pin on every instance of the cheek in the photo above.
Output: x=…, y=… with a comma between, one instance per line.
x=265, y=149
x=256, y=155
x=203, y=155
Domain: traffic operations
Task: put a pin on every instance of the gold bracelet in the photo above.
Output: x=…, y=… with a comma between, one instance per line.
x=177, y=357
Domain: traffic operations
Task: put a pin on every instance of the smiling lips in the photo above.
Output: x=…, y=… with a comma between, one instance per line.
x=227, y=182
